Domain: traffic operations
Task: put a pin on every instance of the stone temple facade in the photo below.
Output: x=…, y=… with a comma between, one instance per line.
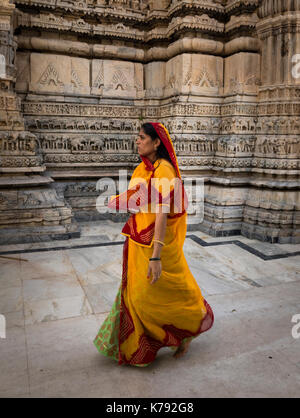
x=77, y=79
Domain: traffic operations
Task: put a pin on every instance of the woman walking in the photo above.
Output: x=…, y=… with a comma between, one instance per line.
x=159, y=303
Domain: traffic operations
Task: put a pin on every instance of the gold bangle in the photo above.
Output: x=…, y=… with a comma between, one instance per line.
x=156, y=240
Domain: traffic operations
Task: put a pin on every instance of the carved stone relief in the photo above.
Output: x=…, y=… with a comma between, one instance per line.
x=216, y=73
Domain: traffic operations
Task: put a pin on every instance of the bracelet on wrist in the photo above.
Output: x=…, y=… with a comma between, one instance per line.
x=157, y=240
x=154, y=258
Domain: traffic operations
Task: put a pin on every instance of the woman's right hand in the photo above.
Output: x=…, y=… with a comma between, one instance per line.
x=155, y=268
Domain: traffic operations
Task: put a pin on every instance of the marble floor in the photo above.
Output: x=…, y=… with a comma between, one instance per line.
x=55, y=295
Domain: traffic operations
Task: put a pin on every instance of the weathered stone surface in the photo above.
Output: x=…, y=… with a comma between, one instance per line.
x=228, y=93
x=27, y=202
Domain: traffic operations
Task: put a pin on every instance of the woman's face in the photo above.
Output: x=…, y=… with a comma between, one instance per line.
x=146, y=146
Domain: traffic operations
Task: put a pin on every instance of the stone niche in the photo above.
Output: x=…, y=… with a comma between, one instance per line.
x=59, y=74
x=242, y=73
x=201, y=74
x=155, y=79
x=118, y=79
x=185, y=74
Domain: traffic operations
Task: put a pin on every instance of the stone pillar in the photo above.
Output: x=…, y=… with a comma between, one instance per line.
x=30, y=209
x=228, y=183
x=272, y=210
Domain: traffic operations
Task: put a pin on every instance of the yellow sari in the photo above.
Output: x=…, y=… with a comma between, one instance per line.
x=145, y=317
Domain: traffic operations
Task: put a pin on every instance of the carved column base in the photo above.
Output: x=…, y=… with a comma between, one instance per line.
x=273, y=216
x=272, y=234
x=223, y=210
x=217, y=229
x=263, y=214
x=34, y=215
x=38, y=234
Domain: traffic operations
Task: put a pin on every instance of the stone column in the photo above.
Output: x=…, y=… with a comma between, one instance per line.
x=272, y=209
x=30, y=209
x=226, y=192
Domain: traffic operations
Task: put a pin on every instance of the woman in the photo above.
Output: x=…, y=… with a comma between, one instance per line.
x=159, y=303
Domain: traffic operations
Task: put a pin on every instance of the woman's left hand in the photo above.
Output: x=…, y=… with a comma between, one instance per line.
x=154, y=268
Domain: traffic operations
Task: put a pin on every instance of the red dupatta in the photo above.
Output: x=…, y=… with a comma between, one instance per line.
x=125, y=200
x=143, y=193
x=164, y=136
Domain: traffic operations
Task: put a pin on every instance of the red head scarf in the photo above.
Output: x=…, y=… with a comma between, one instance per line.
x=142, y=193
x=164, y=136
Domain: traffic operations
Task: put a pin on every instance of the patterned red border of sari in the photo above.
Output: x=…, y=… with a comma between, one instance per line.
x=126, y=323
x=145, y=236
x=148, y=346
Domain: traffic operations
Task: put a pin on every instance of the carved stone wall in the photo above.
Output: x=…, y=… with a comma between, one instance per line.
x=218, y=73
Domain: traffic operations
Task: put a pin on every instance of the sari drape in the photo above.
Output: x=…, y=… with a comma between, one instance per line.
x=145, y=317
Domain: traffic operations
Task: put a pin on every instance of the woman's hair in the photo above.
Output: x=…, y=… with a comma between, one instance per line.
x=162, y=152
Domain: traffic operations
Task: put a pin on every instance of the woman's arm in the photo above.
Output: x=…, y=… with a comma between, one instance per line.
x=159, y=235
x=159, y=232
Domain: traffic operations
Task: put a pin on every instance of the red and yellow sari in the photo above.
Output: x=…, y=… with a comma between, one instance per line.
x=145, y=317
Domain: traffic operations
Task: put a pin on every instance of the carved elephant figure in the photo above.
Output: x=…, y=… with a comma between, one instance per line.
x=94, y=125
x=117, y=125
x=33, y=124
x=29, y=140
x=77, y=144
x=127, y=126
x=237, y=144
x=96, y=143
x=202, y=125
x=55, y=124
x=105, y=124
x=44, y=124
x=228, y=145
x=70, y=124
x=81, y=125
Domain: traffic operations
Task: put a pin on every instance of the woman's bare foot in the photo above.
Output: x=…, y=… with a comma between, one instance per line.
x=182, y=349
